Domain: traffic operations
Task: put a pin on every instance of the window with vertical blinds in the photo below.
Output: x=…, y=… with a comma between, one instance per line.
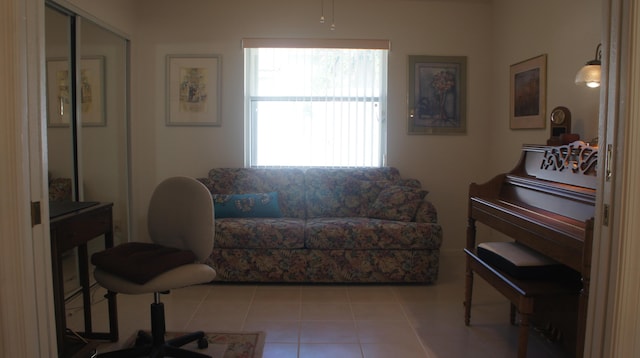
x=315, y=106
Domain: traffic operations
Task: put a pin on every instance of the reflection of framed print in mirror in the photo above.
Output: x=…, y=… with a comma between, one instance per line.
x=92, y=86
x=193, y=90
x=528, y=93
x=91, y=92
x=58, y=93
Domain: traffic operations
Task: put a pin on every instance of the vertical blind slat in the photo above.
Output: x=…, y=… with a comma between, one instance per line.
x=317, y=107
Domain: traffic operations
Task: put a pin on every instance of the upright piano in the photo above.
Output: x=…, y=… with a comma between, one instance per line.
x=547, y=203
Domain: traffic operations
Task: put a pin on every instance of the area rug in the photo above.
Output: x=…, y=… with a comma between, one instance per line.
x=224, y=344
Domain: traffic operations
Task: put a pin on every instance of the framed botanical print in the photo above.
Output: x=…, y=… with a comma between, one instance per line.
x=437, y=94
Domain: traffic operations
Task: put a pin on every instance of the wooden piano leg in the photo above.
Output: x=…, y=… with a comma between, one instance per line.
x=468, y=287
x=468, y=292
x=523, y=335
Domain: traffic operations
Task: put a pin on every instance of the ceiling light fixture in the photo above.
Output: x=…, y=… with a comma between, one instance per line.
x=589, y=74
x=333, y=14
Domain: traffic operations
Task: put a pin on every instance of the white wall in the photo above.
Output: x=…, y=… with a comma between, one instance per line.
x=568, y=32
x=493, y=35
x=116, y=15
x=444, y=164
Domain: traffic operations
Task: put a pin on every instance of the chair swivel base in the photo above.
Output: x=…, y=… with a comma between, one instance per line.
x=154, y=344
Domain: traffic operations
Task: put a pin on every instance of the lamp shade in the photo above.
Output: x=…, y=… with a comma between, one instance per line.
x=589, y=75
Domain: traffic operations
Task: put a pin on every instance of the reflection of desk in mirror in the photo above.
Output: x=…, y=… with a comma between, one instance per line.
x=73, y=225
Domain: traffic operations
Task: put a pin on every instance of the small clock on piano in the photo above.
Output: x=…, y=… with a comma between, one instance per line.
x=559, y=124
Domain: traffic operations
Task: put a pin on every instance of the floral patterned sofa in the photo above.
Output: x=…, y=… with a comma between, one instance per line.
x=322, y=225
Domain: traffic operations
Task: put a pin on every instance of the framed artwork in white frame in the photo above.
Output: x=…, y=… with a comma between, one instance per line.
x=193, y=90
x=91, y=88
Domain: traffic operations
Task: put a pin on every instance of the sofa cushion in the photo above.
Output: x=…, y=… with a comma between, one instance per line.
x=397, y=203
x=410, y=182
x=325, y=266
x=372, y=266
x=426, y=213
x=359, y=195
x=344, y=192
x=287, y=182
x=370, y=234
x=243, y=233
x=260, y=205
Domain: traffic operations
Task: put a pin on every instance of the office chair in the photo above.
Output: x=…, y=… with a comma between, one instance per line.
x=181, y=227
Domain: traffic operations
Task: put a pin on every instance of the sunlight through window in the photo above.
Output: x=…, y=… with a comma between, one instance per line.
x=316, y=106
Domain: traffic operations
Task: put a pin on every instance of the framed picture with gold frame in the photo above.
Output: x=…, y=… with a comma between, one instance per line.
x=528, y=93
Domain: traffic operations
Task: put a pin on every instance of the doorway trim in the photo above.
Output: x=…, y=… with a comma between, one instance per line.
x=26, y=327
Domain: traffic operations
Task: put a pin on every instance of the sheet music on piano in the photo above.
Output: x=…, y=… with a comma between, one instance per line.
x=547, y=202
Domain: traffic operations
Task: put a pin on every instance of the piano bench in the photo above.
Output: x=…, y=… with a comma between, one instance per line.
x=523, y=293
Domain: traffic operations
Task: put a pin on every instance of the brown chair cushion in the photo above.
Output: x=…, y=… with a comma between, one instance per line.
x=140, y=262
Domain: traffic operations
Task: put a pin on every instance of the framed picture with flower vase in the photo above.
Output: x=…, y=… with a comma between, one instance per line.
x=437, y=94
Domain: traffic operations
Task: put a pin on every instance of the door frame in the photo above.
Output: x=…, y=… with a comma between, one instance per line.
x=27, y=299
x=612, y=327
x=27, y=325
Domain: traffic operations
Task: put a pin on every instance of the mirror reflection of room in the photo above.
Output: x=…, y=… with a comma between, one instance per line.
x=86, y=139
x=103, y=146
x=59, y=130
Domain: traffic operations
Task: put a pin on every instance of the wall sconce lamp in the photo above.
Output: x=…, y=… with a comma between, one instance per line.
x=589, y=75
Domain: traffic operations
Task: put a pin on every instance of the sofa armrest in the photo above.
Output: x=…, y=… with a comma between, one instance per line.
x=426, y=213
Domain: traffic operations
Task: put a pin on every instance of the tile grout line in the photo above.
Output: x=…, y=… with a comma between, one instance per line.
x=413, y=328
x=299, y=326
x=195, y=311
x=355, y=321
x=243, y=326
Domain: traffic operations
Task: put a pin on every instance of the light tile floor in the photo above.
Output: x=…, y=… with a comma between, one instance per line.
x=344, y=321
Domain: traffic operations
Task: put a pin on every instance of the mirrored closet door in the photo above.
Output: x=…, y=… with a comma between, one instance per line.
x=87, y=121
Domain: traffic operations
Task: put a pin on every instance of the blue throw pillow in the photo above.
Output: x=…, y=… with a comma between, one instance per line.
x=258, y=205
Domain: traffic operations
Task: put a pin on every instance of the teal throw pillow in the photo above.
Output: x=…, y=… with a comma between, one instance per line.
x=257, y=205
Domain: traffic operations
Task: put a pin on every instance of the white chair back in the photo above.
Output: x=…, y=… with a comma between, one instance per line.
x=181, y=215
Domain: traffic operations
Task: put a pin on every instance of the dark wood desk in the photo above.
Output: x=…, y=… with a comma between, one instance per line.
x=73, y=225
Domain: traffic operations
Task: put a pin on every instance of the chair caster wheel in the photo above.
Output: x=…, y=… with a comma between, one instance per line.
x=142, y=339
x=203, y=343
